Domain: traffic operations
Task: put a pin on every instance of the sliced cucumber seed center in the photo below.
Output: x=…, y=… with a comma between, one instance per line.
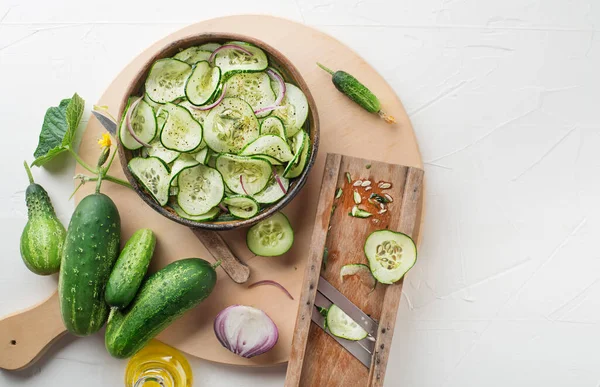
x=270, y=234
x=238, y=57
x=153, y=179
x=389, y=254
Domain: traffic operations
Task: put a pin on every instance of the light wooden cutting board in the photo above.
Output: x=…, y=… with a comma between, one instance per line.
x=345, y=129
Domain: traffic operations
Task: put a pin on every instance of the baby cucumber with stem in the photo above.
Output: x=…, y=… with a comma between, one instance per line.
x=357, y=92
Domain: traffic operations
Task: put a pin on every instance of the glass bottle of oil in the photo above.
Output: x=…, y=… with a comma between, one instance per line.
x=158, y=365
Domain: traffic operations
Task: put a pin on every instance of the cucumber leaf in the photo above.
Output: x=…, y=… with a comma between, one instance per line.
x=58, y=130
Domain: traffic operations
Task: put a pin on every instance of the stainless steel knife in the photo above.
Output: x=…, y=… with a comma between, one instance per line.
x=107, y=122
x=328, y=295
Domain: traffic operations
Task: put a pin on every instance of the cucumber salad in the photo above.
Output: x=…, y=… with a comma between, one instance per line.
x=218, y=133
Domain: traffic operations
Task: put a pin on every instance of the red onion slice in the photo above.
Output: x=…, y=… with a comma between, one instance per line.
x=242, y=184
x=273, y=283
x=282, y=90
x=211, y=58
x=279, y=181
x=223, y=208
x=212, y=105
x=128, y=122
x=245, y=331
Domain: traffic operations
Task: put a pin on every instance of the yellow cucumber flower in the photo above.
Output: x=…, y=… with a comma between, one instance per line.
x=105, y=141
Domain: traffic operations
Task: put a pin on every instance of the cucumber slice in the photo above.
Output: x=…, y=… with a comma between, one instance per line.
x=361, y=271
x=150, y=102
x=273, y=192
x=230, y=126
x=202, y=156
x=254, y=88
x=341, y=325
x=270, y=159
x=200, y=189
x=209, y=46
x=153, y=175
x=143, y=123
x=166, y=80
x=210, y=215
x=391, y=254
x=293, y=110
x=161, y=119
x=232, y=61
x=271, y=237
x=199, y=115
x=193, y=55
x=241, y=206
x=270, y=145
x=158, y=150
x=181, y=132
x=183, y=161
x=272, y=125
x=297, y=165
x=202, y=83
x=253, y=172
x=173, y=190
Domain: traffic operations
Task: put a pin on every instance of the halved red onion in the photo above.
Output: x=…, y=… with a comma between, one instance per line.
x=273, y=283
x=242, y=184
x=278, y=180
x=211, y=58
x=282, y=90
x=212, y=105
x=245, y=331
x=128, y=122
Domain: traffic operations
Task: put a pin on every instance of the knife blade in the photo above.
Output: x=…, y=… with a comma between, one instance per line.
x=354, y=347
x=355, y=313
x=108, y=123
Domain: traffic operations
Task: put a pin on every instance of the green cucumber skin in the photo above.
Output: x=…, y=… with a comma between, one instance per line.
x=90, y=251
x=165, y=296
x=356, y=91
x=44, y=235
x=131, y=267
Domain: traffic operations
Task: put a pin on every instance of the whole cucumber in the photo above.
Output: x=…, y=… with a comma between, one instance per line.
x=130, y=269
x=164, y=297
x=90, y=251
x=44, y=235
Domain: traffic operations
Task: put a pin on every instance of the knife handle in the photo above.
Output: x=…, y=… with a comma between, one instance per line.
x=236, y=269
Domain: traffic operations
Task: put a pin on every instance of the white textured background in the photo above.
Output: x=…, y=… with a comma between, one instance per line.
x=503, y=96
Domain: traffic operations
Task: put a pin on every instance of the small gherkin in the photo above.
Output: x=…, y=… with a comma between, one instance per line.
x=43, y=238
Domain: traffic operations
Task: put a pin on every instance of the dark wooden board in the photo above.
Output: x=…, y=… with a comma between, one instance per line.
x=316, y=359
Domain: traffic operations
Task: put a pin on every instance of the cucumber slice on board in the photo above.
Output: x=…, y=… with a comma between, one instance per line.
x=202, y=83
x=143, y=123
x=199, y=115
x=158, y=150
x=273, y=191
x=181, y=132
x=182, y=162
x=241, y=206
x=271, y=237
x=254, y=88
x=209, y=46
x=193, y=55
x=297, y=165
x=244, y=175
x=230, y=126
x=233, y=61
x=341, y=325
x=153, y=174
x=360, y=270
x=200, y=189
x=211, y=214
x=166, y=80
x=391, y=254
x=293, y=110
x=272, y=125
x=270, y=145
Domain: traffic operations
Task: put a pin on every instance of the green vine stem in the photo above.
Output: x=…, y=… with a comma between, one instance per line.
x=29, y=175
x=81, y=162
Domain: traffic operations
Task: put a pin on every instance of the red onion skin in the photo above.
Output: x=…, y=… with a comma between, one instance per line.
x=265, y=345
x=280, y=183
x=242, y=184
x=211, y=58
x=282, y=90
x=128, y=122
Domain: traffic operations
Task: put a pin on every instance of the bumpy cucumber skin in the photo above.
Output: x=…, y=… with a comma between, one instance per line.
x=90, y=251
x=130, y=269
x=164, y=297
x=44, y=235
x=356, y=91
